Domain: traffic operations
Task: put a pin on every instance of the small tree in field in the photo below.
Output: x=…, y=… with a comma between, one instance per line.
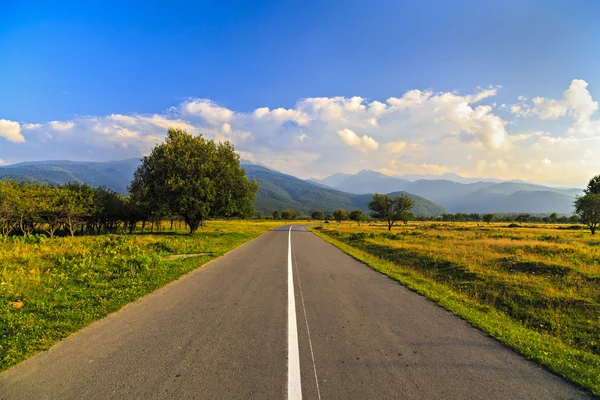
x=488, y=218
x=406, y=216
x=289, y=215
x=318, y=215
x=358, y=216
x=276, y=215
x=388, y=209
x=552, y=218
x=588, y=208
x=522, y=218
x=340, y=215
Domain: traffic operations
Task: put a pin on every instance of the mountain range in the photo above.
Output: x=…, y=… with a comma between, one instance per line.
x=466, y=196
x=279, y=191
x=115, y=175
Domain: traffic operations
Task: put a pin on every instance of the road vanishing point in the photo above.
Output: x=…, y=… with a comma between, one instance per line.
x=286, y=315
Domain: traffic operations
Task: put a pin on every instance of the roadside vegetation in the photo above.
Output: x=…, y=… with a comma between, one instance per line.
x=534, y=287
x=72, y=254
x=50, y=288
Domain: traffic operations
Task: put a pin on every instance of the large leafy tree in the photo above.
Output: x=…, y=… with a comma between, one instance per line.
x=389, y=209
x=194, y=178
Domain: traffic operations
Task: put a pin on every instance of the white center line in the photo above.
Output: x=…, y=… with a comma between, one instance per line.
x=294, y=391
x=312, y=354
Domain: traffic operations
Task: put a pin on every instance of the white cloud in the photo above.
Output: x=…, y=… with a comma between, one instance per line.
x=62, y=126
x=548, y=108
x=206, y=109
x=364, y=143
x=421, y=131
x=577, y=102
x=31, y=126
x=396, y=147
x=11, y=131
x=226, y=128
x=282, y=115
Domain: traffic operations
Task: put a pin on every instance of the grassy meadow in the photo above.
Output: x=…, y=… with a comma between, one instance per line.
x=49, y=288
x=535, y=287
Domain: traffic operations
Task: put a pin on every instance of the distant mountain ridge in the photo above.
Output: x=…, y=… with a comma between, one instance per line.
x=279, y=191
x=466, y=196
x=115, y=175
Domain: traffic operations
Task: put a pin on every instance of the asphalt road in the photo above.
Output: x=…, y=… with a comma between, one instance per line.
x=229, y=330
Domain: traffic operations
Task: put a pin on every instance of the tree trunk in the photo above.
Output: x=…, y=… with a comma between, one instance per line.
x=193, y=225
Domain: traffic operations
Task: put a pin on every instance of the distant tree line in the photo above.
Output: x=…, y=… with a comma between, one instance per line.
x=359, y=216
x=27, y=208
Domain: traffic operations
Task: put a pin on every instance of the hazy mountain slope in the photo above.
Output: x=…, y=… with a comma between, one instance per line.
x=485, y=196
x=444, y=191
x=333, y=180
x=521, y=201
x=115, y=175
x=367, y=181
x=279, y=191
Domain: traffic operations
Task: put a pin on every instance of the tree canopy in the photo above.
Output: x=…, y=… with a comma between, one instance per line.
x=357, y=216
x=194, y=178
x=289, y=215
x=318, y=215
x=340, y=215
x=488, y=218
x=593, y=186
x=386, y=208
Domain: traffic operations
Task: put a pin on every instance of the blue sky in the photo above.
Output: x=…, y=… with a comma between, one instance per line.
x=78, y=65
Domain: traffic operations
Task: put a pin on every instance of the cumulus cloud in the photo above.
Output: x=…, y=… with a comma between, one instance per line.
x=61, y=126
x=576, y=102
x=364, y=143
x=11, y=131
x=206, y=109
x=31, y=126
x=420, y=131
x=282, y=115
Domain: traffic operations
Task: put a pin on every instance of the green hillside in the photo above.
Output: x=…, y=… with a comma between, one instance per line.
x=115, y=175
x=278, y=191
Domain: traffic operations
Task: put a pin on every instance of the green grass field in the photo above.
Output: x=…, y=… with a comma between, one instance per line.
x=50, y=288
x=536, y=288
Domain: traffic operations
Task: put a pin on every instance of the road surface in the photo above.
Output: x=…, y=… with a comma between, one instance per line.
x=284, y=316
